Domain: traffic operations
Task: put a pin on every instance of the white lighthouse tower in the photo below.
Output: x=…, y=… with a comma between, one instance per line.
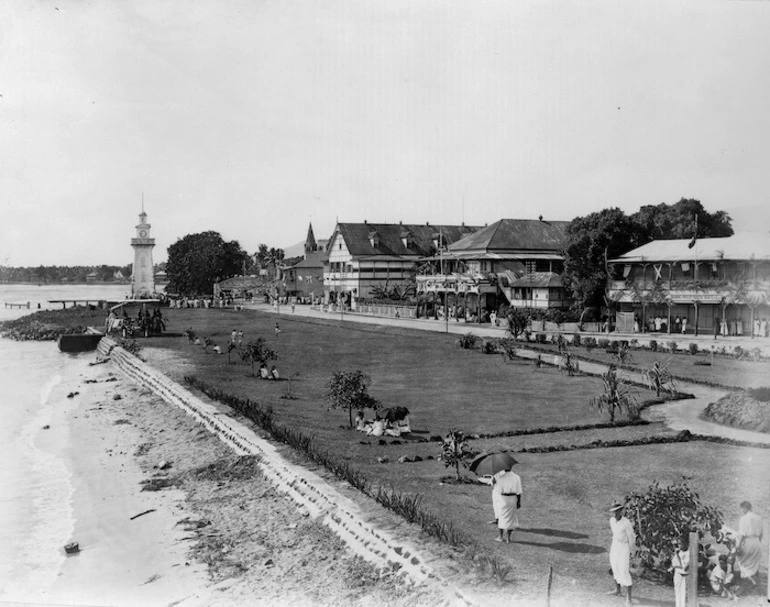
x=143, y=275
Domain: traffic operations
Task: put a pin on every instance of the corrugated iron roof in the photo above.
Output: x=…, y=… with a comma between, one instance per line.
x=748, y=245
x=516, y=234
x=537, y=280
x=389, y=238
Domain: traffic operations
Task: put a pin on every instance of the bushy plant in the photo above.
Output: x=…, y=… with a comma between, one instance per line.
x=603, y=343
x=660, y=515
x=488, y=346
x=653, y=345
x=455, y=451
x=508, y=346
x=616, y=396
x=517, y=322
x=589, y=343
x=350, y=390
x=623, y=352
x=258, y=352
x=659, y=378
x=693, y=348
x=672, y=346
x=540, y=338
x=576, y=339
x=467, y=341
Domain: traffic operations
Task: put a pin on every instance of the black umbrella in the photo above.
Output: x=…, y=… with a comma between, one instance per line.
x=393, y=414
x=492, y=463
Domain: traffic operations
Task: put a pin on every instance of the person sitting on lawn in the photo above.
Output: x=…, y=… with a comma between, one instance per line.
x=403, y=425
x=720, y=578
x=391, y=430
x=216, y=350
x=263, y=372
x=361, y=425
x=274, y=373
x=378, y=427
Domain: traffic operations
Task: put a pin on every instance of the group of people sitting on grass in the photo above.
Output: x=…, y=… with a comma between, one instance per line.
x=264, y=373
x=381, y=426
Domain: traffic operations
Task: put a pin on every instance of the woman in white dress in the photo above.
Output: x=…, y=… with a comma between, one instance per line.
x=623, y=540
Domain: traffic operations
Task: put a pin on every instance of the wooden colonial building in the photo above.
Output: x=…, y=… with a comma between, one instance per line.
x=518, y=262
x=369, y=260
x=719, y=284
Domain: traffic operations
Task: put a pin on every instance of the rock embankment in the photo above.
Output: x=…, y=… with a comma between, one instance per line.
x=742, y=410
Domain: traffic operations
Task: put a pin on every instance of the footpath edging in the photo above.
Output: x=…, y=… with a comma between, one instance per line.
x=308, y=490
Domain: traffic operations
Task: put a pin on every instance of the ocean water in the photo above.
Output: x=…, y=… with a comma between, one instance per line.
x=36, y=515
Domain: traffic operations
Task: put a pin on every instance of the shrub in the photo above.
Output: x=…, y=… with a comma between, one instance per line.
x=455, y=451
x=589, y=343
x=616, y=396
x=488, y=346
x=603, y=342
x=660, y=515
x=672, y=346
x=540, y=338
x=653, y=345
x=576, y=339
x=693, y=348
x=659, y=378
x=349, y=390
x=467, y=341
x=517, y=322
x=738, y=352
x=634, y=343
x=508, y=346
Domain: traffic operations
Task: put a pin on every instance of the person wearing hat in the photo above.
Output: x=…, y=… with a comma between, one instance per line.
x=623, y=538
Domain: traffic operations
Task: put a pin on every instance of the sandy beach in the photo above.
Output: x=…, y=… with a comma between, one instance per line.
x=215, y=531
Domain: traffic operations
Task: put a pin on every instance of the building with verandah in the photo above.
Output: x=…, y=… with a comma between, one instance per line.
x=719, y=285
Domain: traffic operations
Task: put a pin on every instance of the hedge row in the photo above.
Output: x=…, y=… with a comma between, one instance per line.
x=405, y=505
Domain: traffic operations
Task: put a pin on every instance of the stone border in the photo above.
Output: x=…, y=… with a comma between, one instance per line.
x=308, y=490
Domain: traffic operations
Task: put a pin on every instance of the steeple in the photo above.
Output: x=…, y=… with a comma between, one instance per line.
x=310, y=243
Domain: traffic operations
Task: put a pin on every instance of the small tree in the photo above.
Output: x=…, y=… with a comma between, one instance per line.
x=230, y=347
x=517, y=322
x=660, y=515
x=349, y=390
x=455, y=451
x=659, y=378
x=207, y=341
x=616, y=396
x=257, y=351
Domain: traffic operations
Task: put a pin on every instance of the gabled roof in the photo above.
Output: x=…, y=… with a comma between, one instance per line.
x=515, y=235
x=313, y=259
x=389, y=238
x=745, y=246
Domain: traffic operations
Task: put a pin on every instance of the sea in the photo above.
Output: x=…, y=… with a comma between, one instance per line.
x=36, y=515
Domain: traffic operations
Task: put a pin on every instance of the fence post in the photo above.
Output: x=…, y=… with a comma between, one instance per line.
x=692, y=578
x=548, y=586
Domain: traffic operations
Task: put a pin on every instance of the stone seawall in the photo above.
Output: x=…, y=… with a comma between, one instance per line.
x=309, y=491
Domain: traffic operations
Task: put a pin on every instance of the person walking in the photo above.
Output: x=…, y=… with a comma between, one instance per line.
x=506, y=500
x=749, y=543
x=623, y=538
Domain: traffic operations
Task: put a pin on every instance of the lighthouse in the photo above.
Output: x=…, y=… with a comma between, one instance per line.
x=143, y=274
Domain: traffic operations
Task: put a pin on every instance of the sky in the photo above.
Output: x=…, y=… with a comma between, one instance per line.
x=255, y=117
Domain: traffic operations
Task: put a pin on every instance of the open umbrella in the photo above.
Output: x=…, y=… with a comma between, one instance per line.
x=492, y=463
x=393, y=414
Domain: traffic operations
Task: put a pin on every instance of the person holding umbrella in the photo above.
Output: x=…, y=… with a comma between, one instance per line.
x=506, y=489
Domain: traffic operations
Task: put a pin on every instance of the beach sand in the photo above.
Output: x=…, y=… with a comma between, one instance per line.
x=217, y=534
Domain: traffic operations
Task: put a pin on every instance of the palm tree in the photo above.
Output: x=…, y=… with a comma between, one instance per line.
x=659, y=377
x=616, y=396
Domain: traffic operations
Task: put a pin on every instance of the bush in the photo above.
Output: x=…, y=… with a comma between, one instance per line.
x=576, y=339
x=672, y=346
x=589, y=343
x=661, y=515
x=467, y=341
x=540, y=338
x=603, y=343
x=738, y=352
x=653, y=345
x=488, y=346
x=693, y=347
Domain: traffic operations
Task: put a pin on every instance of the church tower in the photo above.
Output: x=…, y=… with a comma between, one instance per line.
x=143, y=275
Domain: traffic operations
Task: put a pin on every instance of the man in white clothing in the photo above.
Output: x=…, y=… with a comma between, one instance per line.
x=623, y=540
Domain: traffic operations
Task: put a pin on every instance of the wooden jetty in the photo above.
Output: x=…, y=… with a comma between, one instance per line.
x=9, y=304
x=99, y=303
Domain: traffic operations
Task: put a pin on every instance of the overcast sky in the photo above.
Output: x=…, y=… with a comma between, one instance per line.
x=253, y=118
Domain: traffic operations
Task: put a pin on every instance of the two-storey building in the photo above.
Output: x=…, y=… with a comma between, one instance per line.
x=373, y=259
x=717, y=285
x=513, y=261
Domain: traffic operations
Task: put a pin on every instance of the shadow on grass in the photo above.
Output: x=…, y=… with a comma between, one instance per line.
x=570, y=535
x=566, y=547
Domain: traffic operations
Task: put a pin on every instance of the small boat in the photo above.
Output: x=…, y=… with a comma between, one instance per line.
x=79, y=342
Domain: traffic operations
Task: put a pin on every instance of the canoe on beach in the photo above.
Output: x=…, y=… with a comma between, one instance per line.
x=79, y=342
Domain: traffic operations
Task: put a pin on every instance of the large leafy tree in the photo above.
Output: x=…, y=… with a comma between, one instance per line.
x=350, y=390
x=670, y=221
x=591, y=240
x=197, y=261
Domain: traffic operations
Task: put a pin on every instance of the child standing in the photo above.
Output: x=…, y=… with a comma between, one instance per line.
x=680, y=564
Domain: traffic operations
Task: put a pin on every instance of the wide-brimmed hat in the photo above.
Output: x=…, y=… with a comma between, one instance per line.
x=616, y=506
